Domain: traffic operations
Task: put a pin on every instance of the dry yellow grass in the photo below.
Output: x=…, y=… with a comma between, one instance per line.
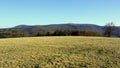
x=60, y=52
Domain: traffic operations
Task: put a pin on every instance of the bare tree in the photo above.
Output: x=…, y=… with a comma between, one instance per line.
x=109, y=29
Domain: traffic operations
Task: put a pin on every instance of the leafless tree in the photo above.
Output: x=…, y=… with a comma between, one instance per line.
x=109, y=29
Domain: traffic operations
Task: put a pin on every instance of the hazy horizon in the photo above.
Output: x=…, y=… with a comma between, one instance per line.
x=45, y=12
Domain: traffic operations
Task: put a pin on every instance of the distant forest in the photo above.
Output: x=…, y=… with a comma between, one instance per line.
x=59, y=30
x=15, y=32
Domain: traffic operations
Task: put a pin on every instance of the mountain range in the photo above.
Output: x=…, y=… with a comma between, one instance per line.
x=59, y=26
x=43, y=28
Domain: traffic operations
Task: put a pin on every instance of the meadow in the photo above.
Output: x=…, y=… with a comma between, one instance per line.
x=60, y=52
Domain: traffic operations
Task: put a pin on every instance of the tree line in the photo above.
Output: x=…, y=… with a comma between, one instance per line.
x=108, y=31
x=71, y=33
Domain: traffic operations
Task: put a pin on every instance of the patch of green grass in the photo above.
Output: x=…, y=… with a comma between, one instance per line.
x=60, y=52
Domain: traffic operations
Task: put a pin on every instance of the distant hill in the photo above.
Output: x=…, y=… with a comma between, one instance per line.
x=59, y=26
x=28, y=29
x=23, y=26
x=53, y=27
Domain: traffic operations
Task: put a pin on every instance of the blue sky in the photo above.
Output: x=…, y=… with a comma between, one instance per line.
x=42, y=12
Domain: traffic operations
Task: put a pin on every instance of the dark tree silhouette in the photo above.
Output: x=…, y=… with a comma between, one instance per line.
x=109, y=29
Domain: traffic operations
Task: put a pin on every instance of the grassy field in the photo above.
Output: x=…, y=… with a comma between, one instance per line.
x=60, y=52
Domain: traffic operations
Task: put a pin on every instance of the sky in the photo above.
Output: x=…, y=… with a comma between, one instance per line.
x=43, y=12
